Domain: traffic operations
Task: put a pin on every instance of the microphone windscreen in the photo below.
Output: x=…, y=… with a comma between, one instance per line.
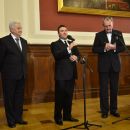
x=70, y=38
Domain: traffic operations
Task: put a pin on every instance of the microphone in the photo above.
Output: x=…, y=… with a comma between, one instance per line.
x=70, y=38
x=82, y=60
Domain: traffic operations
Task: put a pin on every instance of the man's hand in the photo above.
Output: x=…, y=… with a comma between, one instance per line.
x=72, y=45
x=110, y=46
x=73, y=58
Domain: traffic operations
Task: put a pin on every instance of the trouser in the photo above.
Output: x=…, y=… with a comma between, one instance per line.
x=63, y=98
x=13, y=91
x=104, y=78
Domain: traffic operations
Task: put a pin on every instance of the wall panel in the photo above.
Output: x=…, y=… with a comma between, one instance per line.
x=40, y=75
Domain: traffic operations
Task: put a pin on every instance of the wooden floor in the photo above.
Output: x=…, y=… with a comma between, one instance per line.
x=40, y=116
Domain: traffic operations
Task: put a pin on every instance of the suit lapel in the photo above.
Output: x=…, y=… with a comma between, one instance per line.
x=113, y=37
x=105, y=37
x=15, y=45
x=13, y=42
x=61, y=43
x=23, y=46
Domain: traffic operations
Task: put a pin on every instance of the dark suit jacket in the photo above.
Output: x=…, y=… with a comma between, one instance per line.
x=12, y=59
x=109, y=58
x=64, y=68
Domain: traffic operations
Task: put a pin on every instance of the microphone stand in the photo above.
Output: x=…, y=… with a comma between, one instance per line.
x=86, y=124
x=128, y=52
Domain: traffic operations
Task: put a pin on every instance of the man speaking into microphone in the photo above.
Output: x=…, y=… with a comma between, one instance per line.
x=108, y=44
x=66, y=55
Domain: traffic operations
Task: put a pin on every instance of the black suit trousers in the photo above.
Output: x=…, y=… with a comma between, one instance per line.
x=63, y=98
x=13, y=91
x=108, y=79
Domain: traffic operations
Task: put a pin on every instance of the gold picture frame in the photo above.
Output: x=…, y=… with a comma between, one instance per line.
x=62, y=7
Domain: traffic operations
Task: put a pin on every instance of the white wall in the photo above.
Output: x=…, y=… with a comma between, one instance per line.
x=27, y=12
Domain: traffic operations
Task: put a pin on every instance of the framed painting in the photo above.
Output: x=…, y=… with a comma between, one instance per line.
x=120, y=8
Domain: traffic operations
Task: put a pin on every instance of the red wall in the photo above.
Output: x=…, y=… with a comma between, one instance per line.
x=50, y=18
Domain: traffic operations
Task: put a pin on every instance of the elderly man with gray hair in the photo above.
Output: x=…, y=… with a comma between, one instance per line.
x=13, y=51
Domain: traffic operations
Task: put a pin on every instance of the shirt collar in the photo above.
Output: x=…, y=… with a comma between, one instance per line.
x=13, y=36
x=63, y=40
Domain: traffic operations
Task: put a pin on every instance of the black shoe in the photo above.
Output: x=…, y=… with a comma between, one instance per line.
x=59, y=122
x=104, y=115
x=71, y=119
x=22, y=122
x=12, y=125
x=116, y=114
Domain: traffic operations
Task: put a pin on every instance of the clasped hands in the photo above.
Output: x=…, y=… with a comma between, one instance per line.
x=110, y=46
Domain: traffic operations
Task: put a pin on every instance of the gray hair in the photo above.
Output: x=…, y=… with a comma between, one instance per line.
x=108, y=18
x=12, y=24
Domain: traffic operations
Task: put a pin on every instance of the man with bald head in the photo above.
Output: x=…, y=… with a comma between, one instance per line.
x=108, y=44
x=13, y=51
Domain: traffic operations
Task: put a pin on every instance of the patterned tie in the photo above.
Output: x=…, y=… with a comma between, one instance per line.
x=17, y=43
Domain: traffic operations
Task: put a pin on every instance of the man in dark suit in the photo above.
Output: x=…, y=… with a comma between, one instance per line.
x=66, y=55
x=13, y=51
x=108, y=43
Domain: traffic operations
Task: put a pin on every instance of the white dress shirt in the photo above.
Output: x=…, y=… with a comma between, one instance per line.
x=14, y=37
x=69, y=51
x=109, y=36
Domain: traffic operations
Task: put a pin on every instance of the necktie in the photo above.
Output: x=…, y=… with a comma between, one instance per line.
x=66, y=43
x=17, y=43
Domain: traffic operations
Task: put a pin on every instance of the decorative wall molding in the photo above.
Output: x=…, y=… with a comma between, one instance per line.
x=29, y=15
